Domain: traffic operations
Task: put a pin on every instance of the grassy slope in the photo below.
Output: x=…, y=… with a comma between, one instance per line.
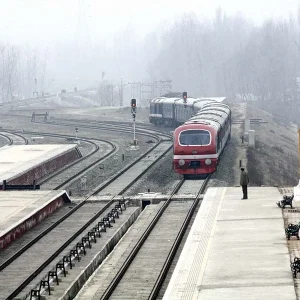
x=274, y=160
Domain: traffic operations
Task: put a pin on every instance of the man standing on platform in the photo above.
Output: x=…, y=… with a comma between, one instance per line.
x=244, y=181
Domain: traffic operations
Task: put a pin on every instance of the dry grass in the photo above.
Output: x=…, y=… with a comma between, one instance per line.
x=274, y=160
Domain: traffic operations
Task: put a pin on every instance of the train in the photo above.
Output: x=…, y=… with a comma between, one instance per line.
x=204, y=128
x=174, y=111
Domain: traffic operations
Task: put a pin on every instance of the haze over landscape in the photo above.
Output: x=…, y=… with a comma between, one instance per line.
x=209, y=48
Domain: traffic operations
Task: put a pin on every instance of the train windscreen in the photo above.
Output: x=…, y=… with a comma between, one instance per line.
x=194, y=138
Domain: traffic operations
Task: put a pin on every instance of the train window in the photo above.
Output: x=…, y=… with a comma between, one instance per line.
x=218, y=143
x=195, y=137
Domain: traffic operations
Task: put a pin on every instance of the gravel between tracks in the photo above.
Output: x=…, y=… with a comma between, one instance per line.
x=95, y=176
x=272, y=162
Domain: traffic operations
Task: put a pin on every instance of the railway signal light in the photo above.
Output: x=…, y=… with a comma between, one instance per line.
x=133, y=107
x=184, y=96
x=133, y=102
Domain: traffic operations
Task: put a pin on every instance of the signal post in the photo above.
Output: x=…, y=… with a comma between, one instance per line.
x=184, y=96
x=133, y=111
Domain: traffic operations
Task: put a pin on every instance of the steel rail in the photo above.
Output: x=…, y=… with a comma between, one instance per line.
x=118, y=129
x=34, y=274
x=113, y=284
x=10, y=141
x=116, y=123
x=69, y=213
x=84, y=139
x=161, y=278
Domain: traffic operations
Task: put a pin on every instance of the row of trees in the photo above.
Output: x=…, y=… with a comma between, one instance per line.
x=22, y=72
x=222, y=56
x=230, y=55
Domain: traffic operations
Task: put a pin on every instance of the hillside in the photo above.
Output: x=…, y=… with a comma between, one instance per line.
x=274, y=160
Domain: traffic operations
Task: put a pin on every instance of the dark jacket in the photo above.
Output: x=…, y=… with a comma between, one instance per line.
x=244, y=180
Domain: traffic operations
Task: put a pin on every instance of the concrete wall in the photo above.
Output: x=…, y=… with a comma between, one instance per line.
x=16, y=232
x=46, y=168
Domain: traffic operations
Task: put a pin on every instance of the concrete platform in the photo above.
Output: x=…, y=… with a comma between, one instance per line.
x=22, y=164
x=21, y=210
x=236, y=249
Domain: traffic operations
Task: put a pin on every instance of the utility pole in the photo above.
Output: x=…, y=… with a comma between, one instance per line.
x=35, y=87
x=112, y=94
x=121, y=93
x=141, y=100
x=158, y=85
x=76, y=132
x=148, y=90
x=133, y=88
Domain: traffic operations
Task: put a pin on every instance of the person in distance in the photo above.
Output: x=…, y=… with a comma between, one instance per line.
x=244, y=181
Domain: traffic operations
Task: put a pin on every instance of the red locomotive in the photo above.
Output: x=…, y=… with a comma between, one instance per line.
x=199, y=142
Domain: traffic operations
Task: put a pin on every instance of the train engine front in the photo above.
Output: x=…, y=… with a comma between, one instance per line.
x=195, y=148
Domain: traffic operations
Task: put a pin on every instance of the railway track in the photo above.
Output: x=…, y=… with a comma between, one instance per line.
x=14, y=138
x=111, y=127
x=73, y=171
x=129, y=176
x=144, y=127
x=17, y=277
x=10, y=141
x=147, y=261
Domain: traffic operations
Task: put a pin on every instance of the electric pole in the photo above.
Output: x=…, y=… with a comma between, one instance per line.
x=133, y=89
x=121, y=93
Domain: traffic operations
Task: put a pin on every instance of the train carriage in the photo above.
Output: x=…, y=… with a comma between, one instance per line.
x=173, y=110
x=199, y=142
x=155, y=115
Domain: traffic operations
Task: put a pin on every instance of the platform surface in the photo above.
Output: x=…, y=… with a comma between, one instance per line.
x=17, y=206
x=16, y=160
x=236, y=249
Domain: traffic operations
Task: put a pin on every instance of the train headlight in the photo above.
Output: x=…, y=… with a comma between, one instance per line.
x=208, y=161
x=181, y=162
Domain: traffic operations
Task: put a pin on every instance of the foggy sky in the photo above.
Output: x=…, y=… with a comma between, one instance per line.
x=46, y=21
